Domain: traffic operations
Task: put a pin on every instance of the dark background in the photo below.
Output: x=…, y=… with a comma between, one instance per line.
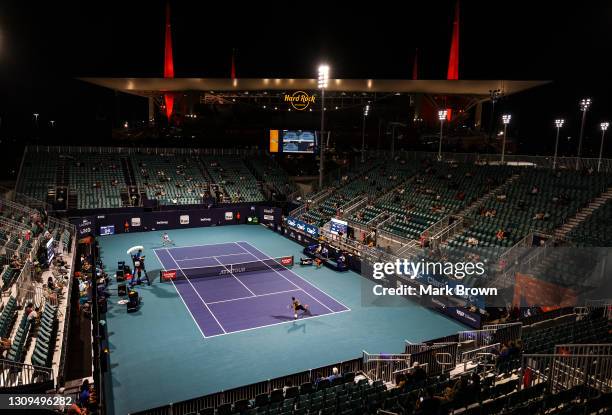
x=44, y=46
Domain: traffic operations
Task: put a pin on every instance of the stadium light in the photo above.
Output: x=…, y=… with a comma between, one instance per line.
x=322, y=84
x=506, y=120
x=585, y=103
x=604, y=127
x=366, y=111
x=558, y=123
x=441, y=116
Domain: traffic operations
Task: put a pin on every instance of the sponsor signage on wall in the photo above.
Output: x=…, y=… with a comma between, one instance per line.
x=302, y=226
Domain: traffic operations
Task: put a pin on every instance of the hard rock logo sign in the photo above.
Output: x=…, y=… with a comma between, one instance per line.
x=299, y=100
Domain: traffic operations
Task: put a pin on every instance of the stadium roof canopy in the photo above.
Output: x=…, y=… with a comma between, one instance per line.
x=153, y=87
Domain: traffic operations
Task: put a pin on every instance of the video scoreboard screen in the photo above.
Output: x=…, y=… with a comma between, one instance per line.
x=338, y=227
x=298, y=141
x=107, y=230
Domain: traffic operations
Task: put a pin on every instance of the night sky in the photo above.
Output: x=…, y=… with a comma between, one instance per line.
x=44, y=46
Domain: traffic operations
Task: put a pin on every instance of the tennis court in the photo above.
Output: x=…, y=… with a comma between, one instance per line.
x=233, y=287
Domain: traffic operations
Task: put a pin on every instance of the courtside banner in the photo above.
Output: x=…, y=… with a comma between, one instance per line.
x=287, y=261
x=168, y=275
x=302, y=226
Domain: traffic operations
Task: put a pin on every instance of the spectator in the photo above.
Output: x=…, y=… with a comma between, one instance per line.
x=33, y=315
x=418, y=374
x=335, y=374
x=430, y=404
x=318, y=378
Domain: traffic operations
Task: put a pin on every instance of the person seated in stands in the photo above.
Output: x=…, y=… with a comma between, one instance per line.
x=325, y=252
x=33, y=315
x=318, y=249
x=335, y=374
x=5, y=344
x=429, y=404
x=306, y=261
x=318, y=378
x=401, y=381
x=418, y=373
x=535, y=190
x=341, y=261
x=501, y=234
x=472, y=241
x=538, y=216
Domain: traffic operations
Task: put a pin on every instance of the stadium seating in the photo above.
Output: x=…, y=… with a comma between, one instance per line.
x=20, y=340
x=7, y=318
x=268, y=171
x=45, y=337
x=38, y=174
x=98, y=179
x=172, y=180
x=233, y=176
x=596, y=230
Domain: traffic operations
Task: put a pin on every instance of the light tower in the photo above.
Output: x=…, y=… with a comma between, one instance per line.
x=506, y=120
x=558, y=123
x=322, y=84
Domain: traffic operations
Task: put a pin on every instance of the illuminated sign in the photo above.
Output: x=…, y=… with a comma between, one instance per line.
x=273, y=141
x=299, y=100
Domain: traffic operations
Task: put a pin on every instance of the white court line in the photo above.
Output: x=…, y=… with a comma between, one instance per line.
x=282, y=322
x=207, y=257
x=237, y=279
x=293, y=272
x=197, y=293
x=291, y=282
x=194, y=246
x=184, y=303
x=245, y=298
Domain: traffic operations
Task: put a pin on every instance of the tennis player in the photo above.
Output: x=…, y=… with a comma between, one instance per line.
x=166, y=239
x=298, y=307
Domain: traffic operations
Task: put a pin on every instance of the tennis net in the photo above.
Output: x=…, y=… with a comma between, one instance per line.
x=221, y=270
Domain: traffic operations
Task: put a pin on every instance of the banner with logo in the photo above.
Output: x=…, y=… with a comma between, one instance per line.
x=302, y=226
x=269, y=215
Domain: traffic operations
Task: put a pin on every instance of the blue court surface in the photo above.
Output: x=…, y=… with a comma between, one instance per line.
x=197, y=336
x=227, y=302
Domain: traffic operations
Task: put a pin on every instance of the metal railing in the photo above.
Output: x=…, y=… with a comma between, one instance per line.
x=350, y=207
x=446, y=233
x=174, y=151
x=563, y=371
x=17, y=374
x=384, y=366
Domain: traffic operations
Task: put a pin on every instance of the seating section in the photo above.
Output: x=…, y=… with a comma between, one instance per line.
x=542, y=200
x=37, y=174
x=98, y=179
x=8, y=276
x=589, y=330
x=20, y=340
x=8, y=316
x=233, y=176
x=596, y=230
x=370, y=180
x=268, y=171
x=173, y=180
x=45, y=337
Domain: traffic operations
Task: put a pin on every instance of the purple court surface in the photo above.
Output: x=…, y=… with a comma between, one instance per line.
x=237, y=302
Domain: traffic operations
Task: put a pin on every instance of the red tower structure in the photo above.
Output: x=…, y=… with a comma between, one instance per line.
x=168, y=63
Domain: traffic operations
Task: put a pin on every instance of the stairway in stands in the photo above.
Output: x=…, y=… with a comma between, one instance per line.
x=482, y=200
x=62, y=182
x=583, y=214
x=130, y=181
